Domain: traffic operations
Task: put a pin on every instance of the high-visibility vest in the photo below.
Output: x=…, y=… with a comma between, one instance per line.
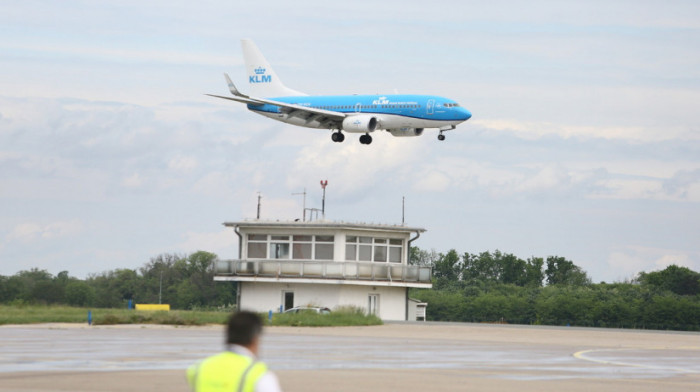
x=227, y=371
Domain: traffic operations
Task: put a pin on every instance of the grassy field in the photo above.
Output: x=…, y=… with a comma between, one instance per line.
x=35, y=314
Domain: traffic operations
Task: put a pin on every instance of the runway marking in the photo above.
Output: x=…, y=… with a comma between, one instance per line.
x=582, y=355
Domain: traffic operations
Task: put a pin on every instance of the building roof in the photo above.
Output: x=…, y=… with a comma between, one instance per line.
x=323, y=224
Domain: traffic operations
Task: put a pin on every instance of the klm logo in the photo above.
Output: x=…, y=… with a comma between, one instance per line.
x=260, y=76
x=380, y=101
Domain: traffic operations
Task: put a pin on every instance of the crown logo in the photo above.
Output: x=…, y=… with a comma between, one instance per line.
x=260, y=71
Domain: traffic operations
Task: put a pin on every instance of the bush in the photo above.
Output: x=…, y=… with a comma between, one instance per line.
x=341, y=316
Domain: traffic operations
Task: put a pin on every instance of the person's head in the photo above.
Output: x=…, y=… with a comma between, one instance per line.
x=244, y=329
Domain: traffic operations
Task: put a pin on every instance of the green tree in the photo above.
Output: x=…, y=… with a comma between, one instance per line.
x=679, y=280
x=423, y=258
x=565, y=272
x=447, y=269
x=534, y=274
x=79, y=293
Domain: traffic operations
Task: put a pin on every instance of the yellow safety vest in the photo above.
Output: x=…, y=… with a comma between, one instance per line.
x=227, y=371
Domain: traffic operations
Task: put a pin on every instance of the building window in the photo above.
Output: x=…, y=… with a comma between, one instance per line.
x=378, y=250
x=395, y=250
x=257, y=246
x=279, y=247
x=323, y=249
x=296, y=247
x=301, y=247
x=323, y=252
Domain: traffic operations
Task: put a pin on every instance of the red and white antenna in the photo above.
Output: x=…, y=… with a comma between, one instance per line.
x=323, y=200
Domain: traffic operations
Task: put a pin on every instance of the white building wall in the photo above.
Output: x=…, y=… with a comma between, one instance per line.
x=263, y=297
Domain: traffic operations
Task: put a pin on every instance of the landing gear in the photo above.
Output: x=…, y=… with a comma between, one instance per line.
x=337, y=137
x=441, y=137
x=366, y=139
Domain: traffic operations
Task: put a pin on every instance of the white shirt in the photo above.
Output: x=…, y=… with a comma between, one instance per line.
x=268, y=381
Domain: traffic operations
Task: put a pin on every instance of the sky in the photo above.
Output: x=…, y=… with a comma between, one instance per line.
x=584, y=141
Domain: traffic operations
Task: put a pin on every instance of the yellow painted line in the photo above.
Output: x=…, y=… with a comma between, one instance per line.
x=582, y=355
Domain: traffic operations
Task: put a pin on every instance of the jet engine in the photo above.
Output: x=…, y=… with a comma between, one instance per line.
x=360, y=123
x=399, y=132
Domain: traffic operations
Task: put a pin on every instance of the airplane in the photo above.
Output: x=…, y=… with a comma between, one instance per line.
x=400, y=115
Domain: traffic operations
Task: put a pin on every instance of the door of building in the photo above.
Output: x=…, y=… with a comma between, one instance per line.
x=373, y=304
x=288, y=299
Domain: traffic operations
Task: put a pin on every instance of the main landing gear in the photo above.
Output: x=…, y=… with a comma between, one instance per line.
x=337, y=137
x=441, y=137
x=366, y=139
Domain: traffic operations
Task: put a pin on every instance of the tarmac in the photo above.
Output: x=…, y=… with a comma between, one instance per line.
x=396, y=356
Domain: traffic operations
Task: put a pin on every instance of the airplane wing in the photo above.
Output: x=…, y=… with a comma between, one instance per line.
x=290, y=109
x=237, y=99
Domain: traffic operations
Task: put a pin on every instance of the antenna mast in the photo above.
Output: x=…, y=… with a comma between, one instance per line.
x=403, y=210
x=323, y=201
x=259, y=197
x=303, y=211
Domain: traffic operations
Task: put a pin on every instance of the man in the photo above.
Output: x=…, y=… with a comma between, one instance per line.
x=237, y=369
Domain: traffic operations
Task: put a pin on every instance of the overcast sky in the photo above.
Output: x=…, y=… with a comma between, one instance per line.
x=584, y=140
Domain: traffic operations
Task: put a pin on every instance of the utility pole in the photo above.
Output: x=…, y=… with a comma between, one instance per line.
x=303, y=219
x=323, y=201
x=259, y=197
x=160, y=288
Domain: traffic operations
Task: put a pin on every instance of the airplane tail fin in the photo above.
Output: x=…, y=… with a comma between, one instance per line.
x=263, y=80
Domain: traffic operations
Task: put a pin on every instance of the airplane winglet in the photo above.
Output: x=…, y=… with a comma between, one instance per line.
x=232, y=87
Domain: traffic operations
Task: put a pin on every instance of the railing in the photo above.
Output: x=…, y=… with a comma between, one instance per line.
x=324, y=270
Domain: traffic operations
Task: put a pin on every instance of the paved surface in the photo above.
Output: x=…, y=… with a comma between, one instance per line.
x=445, y=356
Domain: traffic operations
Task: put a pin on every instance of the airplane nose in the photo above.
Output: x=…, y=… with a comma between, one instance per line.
x=466, y=114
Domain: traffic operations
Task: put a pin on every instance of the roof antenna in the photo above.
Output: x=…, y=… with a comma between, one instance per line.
x=259, y=197
x=303, y=211
x=403, y=210
x=323, y=201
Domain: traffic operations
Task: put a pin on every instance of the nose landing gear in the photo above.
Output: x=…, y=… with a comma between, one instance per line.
x=366, y=139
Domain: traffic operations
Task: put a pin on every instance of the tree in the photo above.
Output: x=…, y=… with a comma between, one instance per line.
x=423, y=258
x=565, y=272
x=447, y=268
x=534, y=275
x=679, y=280
x=79, y=293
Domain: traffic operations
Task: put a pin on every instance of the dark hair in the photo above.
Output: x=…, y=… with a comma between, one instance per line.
x=243, y=328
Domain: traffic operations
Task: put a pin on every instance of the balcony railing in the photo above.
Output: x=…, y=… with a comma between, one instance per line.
x=324, y=270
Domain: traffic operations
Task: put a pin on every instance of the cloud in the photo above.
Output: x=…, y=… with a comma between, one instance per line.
x=535, y=130
x=29, y=232
x=132, y=181
x=628, y=261
x=222, y=242
x=353, y=168
x=183, y=164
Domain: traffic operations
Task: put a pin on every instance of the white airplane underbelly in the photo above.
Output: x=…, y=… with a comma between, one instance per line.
x=393, y=121
x=385, y=121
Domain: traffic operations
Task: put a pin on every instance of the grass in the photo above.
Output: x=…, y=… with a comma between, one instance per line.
x=346, y=316
x=36, y=314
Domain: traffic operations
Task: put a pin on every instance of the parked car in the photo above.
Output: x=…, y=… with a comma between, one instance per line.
x=309, y=309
